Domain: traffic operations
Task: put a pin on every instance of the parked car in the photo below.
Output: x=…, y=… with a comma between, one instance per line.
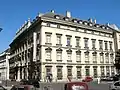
x=115, y=86
x=87, y=79
x=23, y=87
x=2, y=88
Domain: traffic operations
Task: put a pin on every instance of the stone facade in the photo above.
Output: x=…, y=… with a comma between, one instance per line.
x=4, y=65
x=64, y=47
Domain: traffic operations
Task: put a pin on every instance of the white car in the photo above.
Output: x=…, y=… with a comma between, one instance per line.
x=115, y=86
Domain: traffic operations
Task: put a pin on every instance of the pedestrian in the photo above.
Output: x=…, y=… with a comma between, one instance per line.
x=98, y=80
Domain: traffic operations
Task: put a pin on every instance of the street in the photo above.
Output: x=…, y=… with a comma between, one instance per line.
x=60, y=86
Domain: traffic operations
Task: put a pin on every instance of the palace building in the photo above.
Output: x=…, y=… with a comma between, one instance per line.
x=63, y=46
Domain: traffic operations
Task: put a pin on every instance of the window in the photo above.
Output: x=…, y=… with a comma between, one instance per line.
x=48, y=70
x=59, y=73
x=68, y=41
x=69, y=71
x=112, y=71
x=95, y=72
x=110, y=45
x=69, y=56
x=101, y=44
x=94, y=58
x=111, y=58
x=48, y=55
x=78, y=57
x=78, y=72
x=106, y=47
x=77, y=41
x=86, y=57
x=59, y=55
x=87, y=72
x=107, y=71
x=86, y=43
x=48, y=38
x=101, y=58
x=102, y=71
x=93, y=43
x=107, y=58
x=58, y=39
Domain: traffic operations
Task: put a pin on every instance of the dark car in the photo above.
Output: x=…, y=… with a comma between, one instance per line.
x=23, y=87
x=87, y=79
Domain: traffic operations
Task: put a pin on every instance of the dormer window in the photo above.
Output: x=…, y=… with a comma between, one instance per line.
x=96, y=25
x=66, y=18
x=74, y=20
x=80, y=21
x=90, y=24
x=107, y=28
x=103, y=27
x=57, y=16
x=85, y=23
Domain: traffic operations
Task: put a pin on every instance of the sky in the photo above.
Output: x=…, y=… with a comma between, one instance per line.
x=14, y=13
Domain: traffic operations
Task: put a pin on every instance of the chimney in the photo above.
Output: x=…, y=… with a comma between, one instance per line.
x=95, y=21
x=52, y=11
x=90, y=20
x=108, y=24
x=68, y=14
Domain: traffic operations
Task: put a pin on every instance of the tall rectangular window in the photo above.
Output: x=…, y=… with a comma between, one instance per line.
x=48, y=70
x=48, y=38
x=106, y=47
x=59, y=55
x=77, y=41
x=69, y=56
x=94, y=58
x=107, y=58
x=110, y=45
x=48, y=55
x=78, y=57
x=95, y=72
x=58, y=39
x=107, y=71
x=86, y=43
x=69, y=71
x=86, y=58
x=100, y=44
x=68, y=41
x=93, y=43
x=102, y=71
x=78, y=72
x=111, y=58
x=87, y=71
x=112, y=71
x=101, y=58
x=59, y=73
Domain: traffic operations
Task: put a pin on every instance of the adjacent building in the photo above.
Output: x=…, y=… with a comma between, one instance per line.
x=4, y=65
x=63, y=46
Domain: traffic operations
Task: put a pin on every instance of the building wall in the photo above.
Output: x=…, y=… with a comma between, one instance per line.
x=4, y=66
x=24, y=48
x=64, y=62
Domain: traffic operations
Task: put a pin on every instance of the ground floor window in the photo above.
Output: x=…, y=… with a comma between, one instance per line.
x=59, y=73
x=78, y=72
x=87, y=71
x=95, y=72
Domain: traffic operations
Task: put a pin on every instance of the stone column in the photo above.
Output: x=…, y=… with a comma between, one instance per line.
x=99, y=71
x=64, y=70
x=74, y=72
x=34, y=46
